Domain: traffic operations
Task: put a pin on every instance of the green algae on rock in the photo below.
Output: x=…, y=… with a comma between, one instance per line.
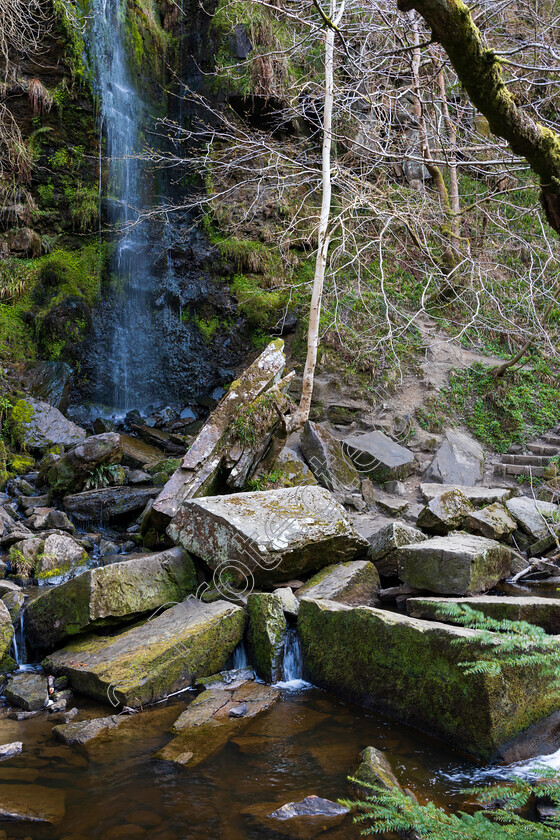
x=409, y=669
x=356, y=582
x=266, y=634
x=149, y=661
x=109, y=595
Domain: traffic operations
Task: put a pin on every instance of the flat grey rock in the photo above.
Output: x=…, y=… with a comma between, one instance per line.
x=377, y=456
x=459, y=460
x=534, y=517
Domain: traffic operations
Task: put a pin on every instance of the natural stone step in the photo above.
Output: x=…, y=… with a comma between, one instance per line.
x=377, y=456
x=511, y=469
x=146, y=663
x=409, y=669
x=543, y=449
x=552, y=440
x=526, y=460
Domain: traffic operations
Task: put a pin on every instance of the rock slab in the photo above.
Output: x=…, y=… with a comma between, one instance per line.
x=146, y=663
x=459, y=460
x=109, y=595
x=542, y=612
x=355, y=582
x=267, y=536
x=409, y=669
x=377, y=456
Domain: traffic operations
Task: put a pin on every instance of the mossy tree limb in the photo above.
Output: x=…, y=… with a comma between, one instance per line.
x=479, y=70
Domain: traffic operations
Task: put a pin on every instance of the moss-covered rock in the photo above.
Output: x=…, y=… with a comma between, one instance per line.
x=6, y=631
x=146, y=663
x=444, y=513
x=84, y=463
x=409, y=669
x=109, y=595
x=356, y=582
x=542, y=612
x=330, y=465
x=459, y=564
x=38, y=425
x=266, y=634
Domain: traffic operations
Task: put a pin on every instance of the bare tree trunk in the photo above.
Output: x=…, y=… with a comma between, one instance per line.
x=302, y=413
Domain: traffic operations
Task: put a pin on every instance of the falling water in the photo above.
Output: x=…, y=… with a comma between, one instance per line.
x=127, y=342
x=292, y=672
x=240, y=659
x=19, y=646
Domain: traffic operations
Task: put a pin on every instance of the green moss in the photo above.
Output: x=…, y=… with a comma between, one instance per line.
x=21, y=464
x=266, y=633
x=18, y=417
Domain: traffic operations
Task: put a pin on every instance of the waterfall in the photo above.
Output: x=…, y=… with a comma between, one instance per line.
x=240, y=659
x=127, y=346
x=292, y=665
x=19, y=647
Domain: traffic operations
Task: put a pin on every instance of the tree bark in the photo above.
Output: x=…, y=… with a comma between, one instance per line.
x=479, y=70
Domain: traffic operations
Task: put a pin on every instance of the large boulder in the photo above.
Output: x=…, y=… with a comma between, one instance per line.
x=109, y=595
x=266, y=634
x=70, y=472
x=267, y=536
x=444, y=513
x=29, y=691
x=330, y=465
x=386, y=542
x=50, y=382
x=536, y=518
x=108, y=502
x=459, y=564
x=459, y=460
x=542, y=612
x=148, y=662
x=355, y=582
x=409, y=669
x=138, y=453
x=61, y=555
x=377, y=456
x=39, y=425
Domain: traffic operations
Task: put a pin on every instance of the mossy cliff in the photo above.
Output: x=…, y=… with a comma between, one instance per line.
x=409, y=669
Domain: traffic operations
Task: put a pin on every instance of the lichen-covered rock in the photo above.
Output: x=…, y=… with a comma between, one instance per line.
x=459, y=564
x=444, y=513
x=493, y=522
x=108, y=503
x=386, y=542
x=14, y=601
x=38, y=425
x=109, y=595
x=144, y=664
x=267, y=536
x=266, y=634
x=459, y=460
x=409, y=669
x=61, y=555
x=356, y=582
x=542, y=612
x=330, y=465
x=70, y=472
x=536, y=518
x=288, y=471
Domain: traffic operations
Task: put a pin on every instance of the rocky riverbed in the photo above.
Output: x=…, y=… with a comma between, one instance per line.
x=141, y=565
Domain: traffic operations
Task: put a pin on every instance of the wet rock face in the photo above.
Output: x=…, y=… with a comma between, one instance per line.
x=28, y=691
x=459, y=564
x=267, y=536
x=266, y=634
x=410, y=669
x=109, y=595
x=146, y=663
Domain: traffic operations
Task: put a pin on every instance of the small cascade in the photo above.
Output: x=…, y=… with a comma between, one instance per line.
x=19, y=647
x=292, y=668
x=240, y=659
